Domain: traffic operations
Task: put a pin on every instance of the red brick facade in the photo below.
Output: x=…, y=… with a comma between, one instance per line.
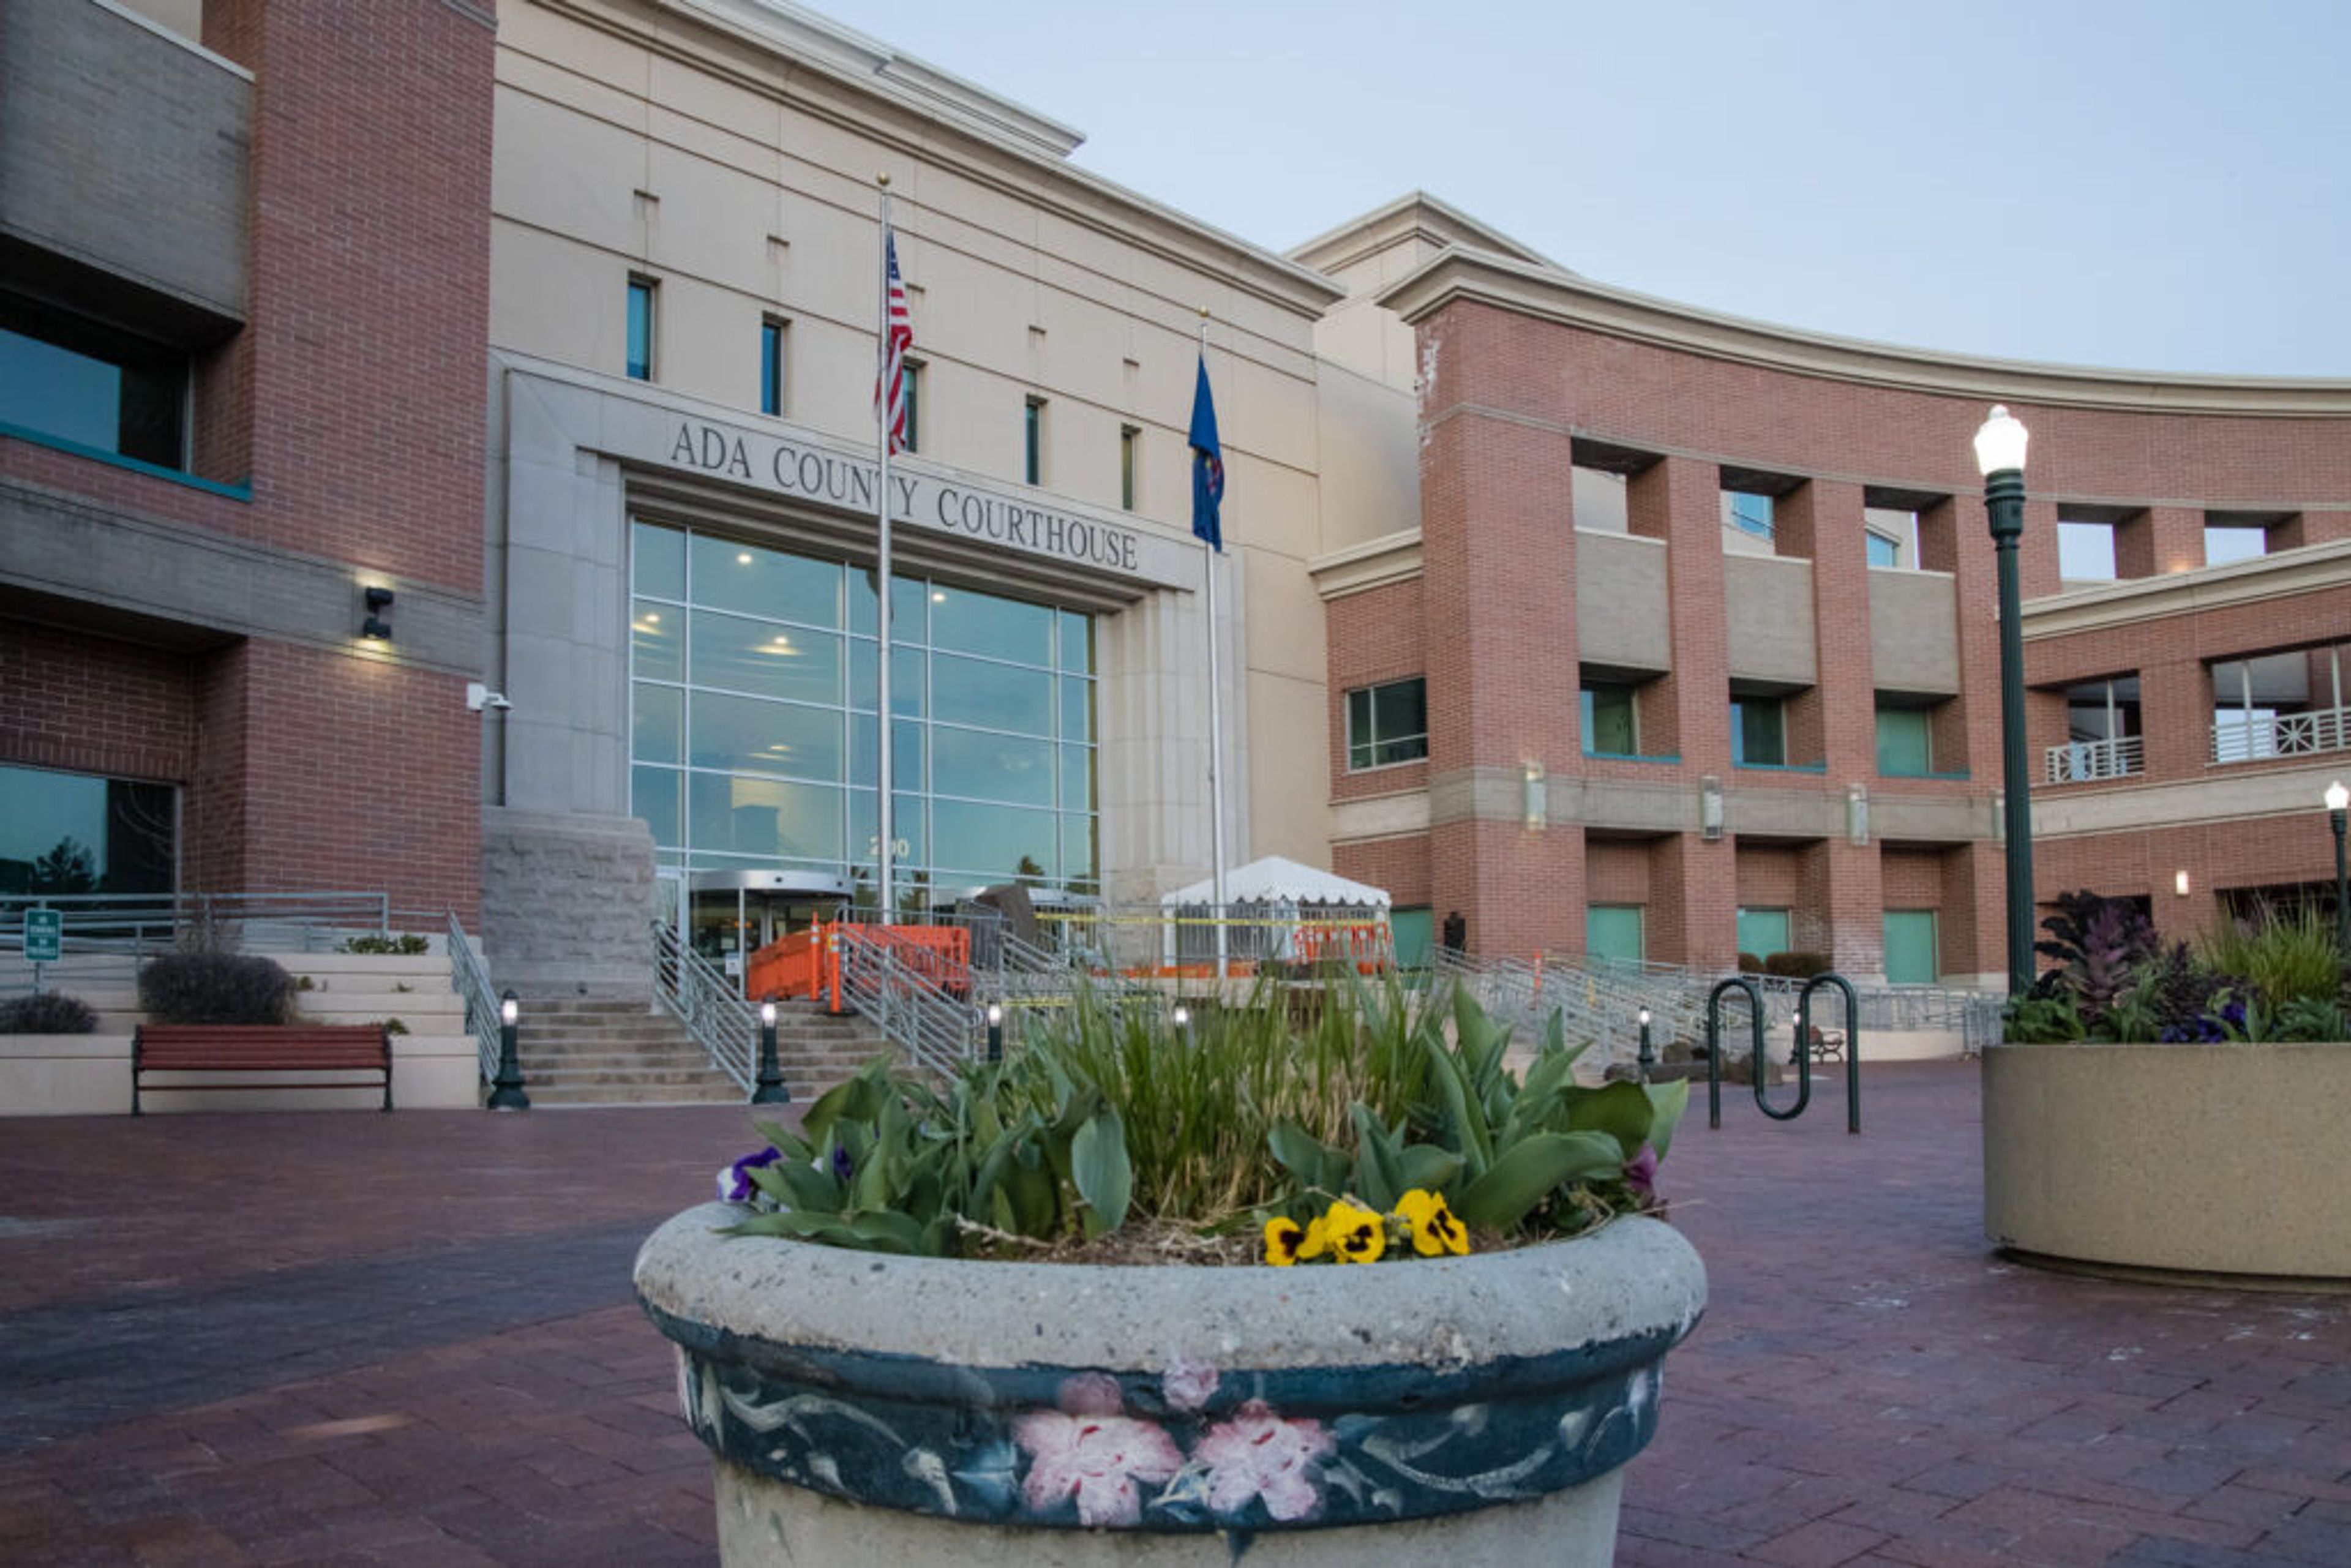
x=1515, y=395
x=350, y=405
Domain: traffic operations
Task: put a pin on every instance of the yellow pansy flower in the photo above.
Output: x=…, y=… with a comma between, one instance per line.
x=1434, y=1228
x=1355, y=1233
x=1287, y=1242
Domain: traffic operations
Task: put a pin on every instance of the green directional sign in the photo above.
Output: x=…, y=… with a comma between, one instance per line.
x=44, y=935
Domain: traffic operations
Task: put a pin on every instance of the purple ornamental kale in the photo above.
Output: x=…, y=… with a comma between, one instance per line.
x=843, y=1168
x=734, y=1181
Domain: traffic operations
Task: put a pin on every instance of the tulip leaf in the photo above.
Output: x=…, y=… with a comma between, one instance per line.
x=1098, y=1169
x=1530, y=1171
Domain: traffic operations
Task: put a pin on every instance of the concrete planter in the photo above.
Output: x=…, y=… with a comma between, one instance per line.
x=871, y=1408
x=2189, y=1159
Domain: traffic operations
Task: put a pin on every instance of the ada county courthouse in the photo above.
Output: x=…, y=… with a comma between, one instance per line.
x=438, y=457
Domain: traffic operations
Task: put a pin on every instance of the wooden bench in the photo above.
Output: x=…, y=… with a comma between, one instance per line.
x=309, y=1049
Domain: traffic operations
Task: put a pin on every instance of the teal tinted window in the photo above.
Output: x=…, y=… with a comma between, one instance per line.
x=1610, y=728
x=1759, y=732
x=1750, y=514
x=1613, y=932
x=1763, y=931
x=1033, y=443
x=771, y=367
x=65, y=376
x=759, y=677
x=1905, y=742
x=1911, y=958
x=914, y=384
x=641, y=329
x=1882, y=551
x=78, y=832
x=1387, y=723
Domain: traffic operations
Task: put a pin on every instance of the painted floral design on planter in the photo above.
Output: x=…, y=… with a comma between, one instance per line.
x=1196, y=1448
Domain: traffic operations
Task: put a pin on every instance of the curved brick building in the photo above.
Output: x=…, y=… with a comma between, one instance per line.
x=1702, y=616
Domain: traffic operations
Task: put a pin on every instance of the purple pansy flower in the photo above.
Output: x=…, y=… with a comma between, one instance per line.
x=734, y=1181
x=843, y=1168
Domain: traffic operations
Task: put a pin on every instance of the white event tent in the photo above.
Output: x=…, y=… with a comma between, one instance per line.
x=1273, y=895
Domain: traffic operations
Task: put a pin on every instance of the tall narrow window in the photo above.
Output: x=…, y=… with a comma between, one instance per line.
x=1906, y=742
x=1611, y=726
x=1032, y=468
x=641, y=329
x=1129, y=438
x=771, y=366
x=1759, y=732
x=913, y=406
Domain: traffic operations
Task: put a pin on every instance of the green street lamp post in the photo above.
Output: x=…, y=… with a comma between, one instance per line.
x=1999, y=457
x=2337, y=799
x=771, y=1089
x=505, y=1089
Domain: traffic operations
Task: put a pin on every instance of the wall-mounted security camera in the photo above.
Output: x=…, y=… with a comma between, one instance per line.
x=479, y=696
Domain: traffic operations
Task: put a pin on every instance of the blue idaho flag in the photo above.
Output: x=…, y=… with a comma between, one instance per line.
x=1208, y=466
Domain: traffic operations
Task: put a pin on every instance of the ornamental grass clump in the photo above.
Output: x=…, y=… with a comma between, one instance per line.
x=2275, y=979
x=1374, y=1125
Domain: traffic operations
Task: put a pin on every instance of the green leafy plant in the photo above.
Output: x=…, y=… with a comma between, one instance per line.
x=407, y=945
x=1252, y=1114
x=46, y=1012
x=2286, y=957
x=213, y=987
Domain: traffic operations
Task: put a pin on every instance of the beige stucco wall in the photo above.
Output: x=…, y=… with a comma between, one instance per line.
x=1768, y=605
x=1914, y=631
x=2204, y=1158
x=732, y=159
x=1620, y=601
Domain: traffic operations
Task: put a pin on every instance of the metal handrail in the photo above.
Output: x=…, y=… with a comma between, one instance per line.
x=708, y=1003
x=2078, y=761
x=470, y=978
x=935, y=1030
x=141, y=923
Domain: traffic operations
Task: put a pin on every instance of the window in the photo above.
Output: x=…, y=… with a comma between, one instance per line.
x=1890, y=536
x=1904, y=741
x=2102, y=726
x=2226, y=542
x=76, y=832
x=1911, y=953
x=1611, y=722
x=1882, y=551
x=1387, y=723
x=641, y=329
x=2280, y=705
x=1759, y=732
x=1612, y=932
x=771, y=366
x=1600, y=499
x=1032, y=464
x=913, y=405
x=1762, y=931
x=755, y=740
x=75, y=379
x=1747, y=512
x=1129, y=438
x=2086, y=550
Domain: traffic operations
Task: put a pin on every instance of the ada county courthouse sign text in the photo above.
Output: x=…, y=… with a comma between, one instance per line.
x=809, y=471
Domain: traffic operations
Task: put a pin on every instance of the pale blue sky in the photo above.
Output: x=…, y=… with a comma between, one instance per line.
x=2156, y=186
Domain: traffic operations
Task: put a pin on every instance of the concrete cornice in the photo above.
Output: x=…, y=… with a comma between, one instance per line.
x=1375, y=564
x=865, y=86
x=1418, y=215
x=2133, y=599
x=1551, y=295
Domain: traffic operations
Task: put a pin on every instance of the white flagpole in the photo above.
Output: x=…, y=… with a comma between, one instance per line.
x=882, y=410
x=1216, y=736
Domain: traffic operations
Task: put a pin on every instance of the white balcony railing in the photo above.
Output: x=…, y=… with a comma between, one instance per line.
x=2248, y=737
x=2078, y=761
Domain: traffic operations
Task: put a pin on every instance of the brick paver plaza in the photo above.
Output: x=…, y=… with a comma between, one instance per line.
x=354, y=1338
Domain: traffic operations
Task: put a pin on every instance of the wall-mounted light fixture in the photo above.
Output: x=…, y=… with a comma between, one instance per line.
x=1535, y=797
x=377, y=625
x=1856, y=813
x=2179, y=882
x=1709, y=809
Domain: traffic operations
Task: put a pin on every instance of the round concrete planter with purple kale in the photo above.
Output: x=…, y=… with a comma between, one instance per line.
x=861, y=1406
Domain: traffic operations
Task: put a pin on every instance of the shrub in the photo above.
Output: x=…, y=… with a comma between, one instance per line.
x=1797, y=965
x=1748, y=964
x=408, y=945
x=2286, y=957
x=46, y=1012
x=215, y=987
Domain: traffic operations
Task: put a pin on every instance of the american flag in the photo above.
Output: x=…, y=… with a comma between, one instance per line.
x=890, y=387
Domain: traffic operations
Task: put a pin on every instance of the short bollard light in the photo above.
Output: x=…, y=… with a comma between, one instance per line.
x=996, y=1031
x=771, y=1089
x=2338, y=799
x=505, y=1089
x=1181, y=1017
x=1649, y=1056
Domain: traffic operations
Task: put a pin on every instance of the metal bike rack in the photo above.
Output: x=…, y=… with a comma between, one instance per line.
x=1758, y=1063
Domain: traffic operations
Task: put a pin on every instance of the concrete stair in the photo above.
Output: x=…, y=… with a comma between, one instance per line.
x=600, y=1051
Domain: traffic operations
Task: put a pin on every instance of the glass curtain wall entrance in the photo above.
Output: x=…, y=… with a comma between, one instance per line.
x=754, y=734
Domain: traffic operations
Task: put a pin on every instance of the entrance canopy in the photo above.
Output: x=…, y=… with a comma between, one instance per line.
x=1274, y=880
